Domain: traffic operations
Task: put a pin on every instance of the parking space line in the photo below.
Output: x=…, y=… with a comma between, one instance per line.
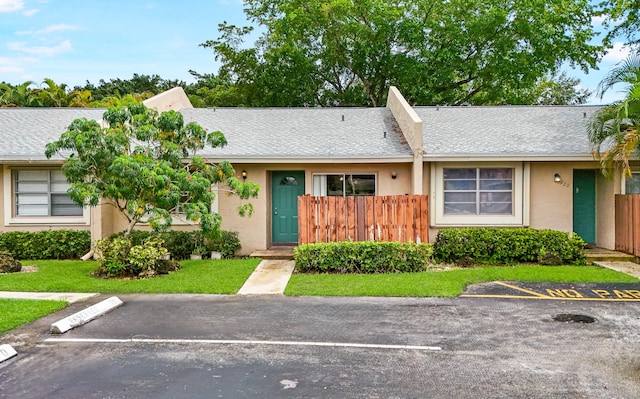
x=548, y=297
x=241, y=342
x=522, y=289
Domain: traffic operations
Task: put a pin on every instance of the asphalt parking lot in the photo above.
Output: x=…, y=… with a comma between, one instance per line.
x=198, y=346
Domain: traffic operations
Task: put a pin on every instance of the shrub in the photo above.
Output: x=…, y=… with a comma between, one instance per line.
x=362, y=257
x=119, y=257
x=46, y=244
x=225, y=242
x=181, y=244
x=508, y=245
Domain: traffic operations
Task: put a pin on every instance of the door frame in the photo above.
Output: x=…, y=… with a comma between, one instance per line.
x=302, y=174
x=592, y=223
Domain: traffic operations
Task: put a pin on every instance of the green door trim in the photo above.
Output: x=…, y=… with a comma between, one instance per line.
x=584, y=204
x=286, y=186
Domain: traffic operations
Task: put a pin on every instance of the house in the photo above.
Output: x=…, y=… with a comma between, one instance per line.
x=479, y=166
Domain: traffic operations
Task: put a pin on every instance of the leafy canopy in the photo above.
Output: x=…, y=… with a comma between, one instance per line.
x=338, y=52
x=146, y=166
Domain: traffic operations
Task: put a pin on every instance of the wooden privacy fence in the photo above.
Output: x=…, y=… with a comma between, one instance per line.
x=402, y=218
x=628, y=223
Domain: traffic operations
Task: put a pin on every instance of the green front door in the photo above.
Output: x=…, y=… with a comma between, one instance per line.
x=584, y=204
x=285, y=189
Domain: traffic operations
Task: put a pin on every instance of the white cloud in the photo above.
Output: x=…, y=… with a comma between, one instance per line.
x=11, y=5
x=57, y=28
x=49, y=29
x=30, y=12
x=618, y=53
x=45, y=51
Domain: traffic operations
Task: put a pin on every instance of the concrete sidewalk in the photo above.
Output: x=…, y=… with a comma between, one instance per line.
x=70, y=297
x=270, y=277
x=630, y=268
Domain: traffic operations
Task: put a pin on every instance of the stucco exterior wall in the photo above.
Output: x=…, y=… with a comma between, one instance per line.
x=550, y=202
x=606, y=188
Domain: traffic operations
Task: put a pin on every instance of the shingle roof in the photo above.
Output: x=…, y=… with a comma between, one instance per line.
x=24, y=132
x=303, y=133
x=321, y=134
x=506, y=131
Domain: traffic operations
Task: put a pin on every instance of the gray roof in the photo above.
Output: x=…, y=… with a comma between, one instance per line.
x=321, y=134
x=24, y=132
x=314, y=134
x=505, y=131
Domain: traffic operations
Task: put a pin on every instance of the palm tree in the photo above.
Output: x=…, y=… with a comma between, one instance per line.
x=614, y=130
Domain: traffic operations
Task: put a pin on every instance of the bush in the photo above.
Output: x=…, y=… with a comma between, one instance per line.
x=225, y=242
x=46, y=244
x=119, y=257
x=181, y=244
x=508, y=245
x=362, y=257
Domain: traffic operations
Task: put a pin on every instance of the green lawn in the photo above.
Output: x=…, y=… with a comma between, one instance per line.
x=17, y=312
x=201, y=276
x=443, y=283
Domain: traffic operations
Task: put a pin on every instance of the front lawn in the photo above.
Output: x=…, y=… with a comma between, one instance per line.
x=443, y=283
x=201, y=276
x=17, y=312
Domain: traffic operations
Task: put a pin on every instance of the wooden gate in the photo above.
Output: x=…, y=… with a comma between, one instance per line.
x=402, y=218
x=628, y=223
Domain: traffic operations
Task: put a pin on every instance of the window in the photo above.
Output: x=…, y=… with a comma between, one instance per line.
x=478, y=191
x=344, y=184
x=479, y=194
x=43, y=193
x=632, y=184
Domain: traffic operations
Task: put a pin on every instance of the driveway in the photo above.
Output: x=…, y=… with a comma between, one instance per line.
x=201, y=346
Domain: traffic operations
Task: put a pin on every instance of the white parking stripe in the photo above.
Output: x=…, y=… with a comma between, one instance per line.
x=240, y=342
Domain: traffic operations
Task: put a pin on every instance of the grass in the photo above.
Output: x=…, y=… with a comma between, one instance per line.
x=17, y=312
x=200, y=276
x=443, y=283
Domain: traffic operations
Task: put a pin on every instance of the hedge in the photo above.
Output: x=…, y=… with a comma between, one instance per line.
x=508, y=245
x=362, y=257
x=181, y=244
x=46, y=244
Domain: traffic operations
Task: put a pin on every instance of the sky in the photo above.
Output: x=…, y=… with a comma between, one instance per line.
x=75, y=41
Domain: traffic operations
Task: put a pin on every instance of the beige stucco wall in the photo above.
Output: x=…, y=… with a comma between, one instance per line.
x=255, y=231
x=552, y=203
x=606, y=188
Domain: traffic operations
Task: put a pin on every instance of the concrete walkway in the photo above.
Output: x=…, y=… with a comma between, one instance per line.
x=630, y=268
x=270, y=277
x=70, y=297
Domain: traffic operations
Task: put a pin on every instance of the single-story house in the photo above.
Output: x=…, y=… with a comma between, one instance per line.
x=479, y=166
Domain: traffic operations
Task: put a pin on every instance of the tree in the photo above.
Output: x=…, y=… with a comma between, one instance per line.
x=139, y=85
x=17, y=96
x=614, y=130
x=622, y=18
x=336, y=52
x=146, y=166
x=552, y=89
x=50, y=95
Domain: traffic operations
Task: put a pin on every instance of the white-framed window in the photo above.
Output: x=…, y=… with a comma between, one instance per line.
x=478, y=191
x=480, y=194
x=39, y=196
x=43, y=193
x=343, y=184
x=632, y=184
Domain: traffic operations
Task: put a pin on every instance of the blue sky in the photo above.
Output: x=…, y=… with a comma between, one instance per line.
x=72, y=41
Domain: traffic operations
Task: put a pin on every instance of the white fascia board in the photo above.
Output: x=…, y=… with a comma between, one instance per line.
x=510, y=158
x=310, y=160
